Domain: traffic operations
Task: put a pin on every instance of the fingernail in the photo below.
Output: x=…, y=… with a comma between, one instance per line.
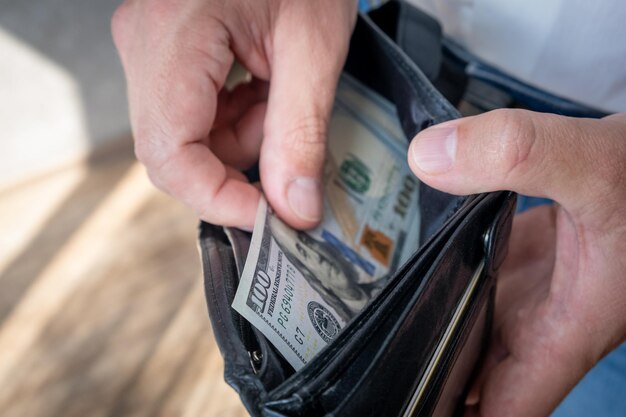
x=304, y=196
x=434, y=149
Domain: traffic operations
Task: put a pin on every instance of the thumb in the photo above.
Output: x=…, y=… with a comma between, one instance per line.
x=307, y=57
x=536, y=154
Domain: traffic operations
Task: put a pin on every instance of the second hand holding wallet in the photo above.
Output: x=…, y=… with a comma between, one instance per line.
x=412, y=350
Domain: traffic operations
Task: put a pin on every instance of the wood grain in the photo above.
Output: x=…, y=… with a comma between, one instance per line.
x=101, y=302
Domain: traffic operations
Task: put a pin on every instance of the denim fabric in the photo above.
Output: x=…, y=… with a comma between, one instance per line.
x=365, y=5
x=525, y=95
x=525, y=202
x=530, y=97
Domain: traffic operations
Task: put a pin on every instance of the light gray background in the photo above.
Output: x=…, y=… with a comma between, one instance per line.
x=62, y=89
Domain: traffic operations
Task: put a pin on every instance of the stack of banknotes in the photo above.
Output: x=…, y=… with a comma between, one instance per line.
x=301, y=288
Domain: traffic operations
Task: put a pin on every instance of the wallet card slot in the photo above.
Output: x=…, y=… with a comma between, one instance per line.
x=240, y=243
x=450, y=337
x=446, y=390
x=265, y=360
x=239, y=342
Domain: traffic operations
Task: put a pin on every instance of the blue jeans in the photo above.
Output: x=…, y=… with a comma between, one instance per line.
x=365, y=5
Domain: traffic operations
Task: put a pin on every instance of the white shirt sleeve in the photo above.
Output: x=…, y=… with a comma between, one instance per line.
x=575, y=49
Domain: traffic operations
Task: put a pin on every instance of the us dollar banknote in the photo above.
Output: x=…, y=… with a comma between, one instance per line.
x=300, y=289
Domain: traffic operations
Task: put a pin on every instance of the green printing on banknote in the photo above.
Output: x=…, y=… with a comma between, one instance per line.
x=300, y=289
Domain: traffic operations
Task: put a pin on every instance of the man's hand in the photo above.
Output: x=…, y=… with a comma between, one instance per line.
x=194, y=138
x=560, y=305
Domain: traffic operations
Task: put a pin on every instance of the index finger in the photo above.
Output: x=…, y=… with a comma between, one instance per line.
x=173, y=106
x=217, y=193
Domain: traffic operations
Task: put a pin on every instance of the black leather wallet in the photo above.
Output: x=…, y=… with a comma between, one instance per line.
x=412, y=350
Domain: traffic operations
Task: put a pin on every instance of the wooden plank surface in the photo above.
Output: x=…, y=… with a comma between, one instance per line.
x=101, y=301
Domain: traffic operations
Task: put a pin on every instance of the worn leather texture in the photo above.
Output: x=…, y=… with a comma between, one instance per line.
x=381, y=358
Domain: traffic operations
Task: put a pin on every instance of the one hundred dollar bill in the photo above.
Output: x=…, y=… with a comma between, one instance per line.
x=300, y=289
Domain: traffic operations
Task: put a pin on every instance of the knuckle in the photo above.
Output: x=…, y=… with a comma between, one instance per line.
x=604, y=179
x=517, y=133
x=610, y=161
x=148, y=153
x=153, y=158
x=612, y=174
x=154, y=145
x=307, y=140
